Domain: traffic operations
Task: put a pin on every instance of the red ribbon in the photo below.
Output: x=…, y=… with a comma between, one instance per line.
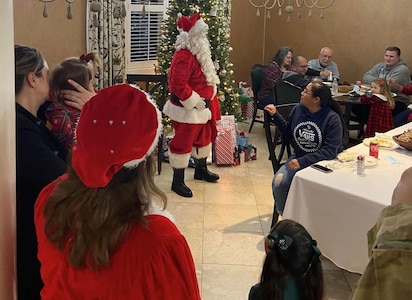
x=84, y=58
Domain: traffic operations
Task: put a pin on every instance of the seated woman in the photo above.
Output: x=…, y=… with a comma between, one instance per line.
x=381, y=104
x=315, y=128
x=292, y=269
x=273, y=73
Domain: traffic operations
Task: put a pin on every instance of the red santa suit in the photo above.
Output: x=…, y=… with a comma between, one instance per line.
x=193, y=83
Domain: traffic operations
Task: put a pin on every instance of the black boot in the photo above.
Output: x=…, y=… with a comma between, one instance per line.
x=202, y=173
x=178, y=184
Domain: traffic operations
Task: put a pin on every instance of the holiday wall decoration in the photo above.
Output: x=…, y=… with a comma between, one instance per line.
x=216, y=14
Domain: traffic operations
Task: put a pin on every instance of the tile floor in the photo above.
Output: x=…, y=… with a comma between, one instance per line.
x=225, y=224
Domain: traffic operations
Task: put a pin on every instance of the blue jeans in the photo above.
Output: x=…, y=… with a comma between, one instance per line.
x=401, y=118
x=281, y=184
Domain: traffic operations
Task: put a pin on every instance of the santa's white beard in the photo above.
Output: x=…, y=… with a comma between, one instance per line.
x=199, y=46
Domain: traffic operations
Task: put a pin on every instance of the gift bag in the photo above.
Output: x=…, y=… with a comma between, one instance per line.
x=228, y=122
x=245, y=101
x=223, y=148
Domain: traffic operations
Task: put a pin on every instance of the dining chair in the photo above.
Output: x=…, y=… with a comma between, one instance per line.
x=256, y=74
x=286, y=96
x=153, y=84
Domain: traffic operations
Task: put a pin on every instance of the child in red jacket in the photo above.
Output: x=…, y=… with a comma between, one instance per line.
x=381, y=104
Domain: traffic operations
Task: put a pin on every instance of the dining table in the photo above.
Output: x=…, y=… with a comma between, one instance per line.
x=340, y=207
x=348, y=102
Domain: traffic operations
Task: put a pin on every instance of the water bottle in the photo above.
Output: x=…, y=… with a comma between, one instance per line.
x=334, y=86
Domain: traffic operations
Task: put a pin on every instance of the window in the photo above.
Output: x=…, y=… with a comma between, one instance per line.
x=143, y=21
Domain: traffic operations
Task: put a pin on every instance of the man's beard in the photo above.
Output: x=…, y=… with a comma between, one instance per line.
x=199, y=46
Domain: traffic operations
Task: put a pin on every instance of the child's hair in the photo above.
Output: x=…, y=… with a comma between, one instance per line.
x=383, y=85
x=293, y=254
x=93, y=63
x=81, y=70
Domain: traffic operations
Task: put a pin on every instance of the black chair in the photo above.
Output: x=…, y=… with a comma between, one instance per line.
x=256, y=74
x=286, y=95
x=153, y=84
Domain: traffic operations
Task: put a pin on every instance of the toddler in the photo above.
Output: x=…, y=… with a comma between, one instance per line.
x=63, y=118
x=381, y=104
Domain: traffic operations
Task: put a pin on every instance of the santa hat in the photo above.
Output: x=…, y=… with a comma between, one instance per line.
x=191, y=25
x=119, y=127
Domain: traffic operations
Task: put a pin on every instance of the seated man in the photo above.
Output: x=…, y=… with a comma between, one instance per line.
x=325, y=65
x=296, y=74
x=387, y=276
x=392, y=67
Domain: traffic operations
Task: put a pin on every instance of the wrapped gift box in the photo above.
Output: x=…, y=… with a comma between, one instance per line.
x=242, y=141
x=250, y=153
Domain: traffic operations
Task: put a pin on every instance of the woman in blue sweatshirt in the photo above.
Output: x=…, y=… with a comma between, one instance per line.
x=315, y=130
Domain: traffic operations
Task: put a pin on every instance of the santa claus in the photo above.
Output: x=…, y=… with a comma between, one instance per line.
x=193, y=107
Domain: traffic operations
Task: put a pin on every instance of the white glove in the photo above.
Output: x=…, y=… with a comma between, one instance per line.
x=201, y=104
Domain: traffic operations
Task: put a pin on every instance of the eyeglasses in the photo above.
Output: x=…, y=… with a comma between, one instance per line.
x=302, y=66
x=306, y=91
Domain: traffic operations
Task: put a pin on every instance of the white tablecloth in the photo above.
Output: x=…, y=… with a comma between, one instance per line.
x=339, y=208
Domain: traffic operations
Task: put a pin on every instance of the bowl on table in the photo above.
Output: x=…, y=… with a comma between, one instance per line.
x=404, y=139
x=345, y=88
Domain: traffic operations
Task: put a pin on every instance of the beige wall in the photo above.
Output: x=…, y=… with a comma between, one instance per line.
x=56, y=36
x=358, y=32
x=7, y=157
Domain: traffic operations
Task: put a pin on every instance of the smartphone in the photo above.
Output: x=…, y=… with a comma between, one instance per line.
x=322, y=168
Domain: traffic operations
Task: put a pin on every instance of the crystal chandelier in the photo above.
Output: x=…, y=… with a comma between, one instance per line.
x=267, y=5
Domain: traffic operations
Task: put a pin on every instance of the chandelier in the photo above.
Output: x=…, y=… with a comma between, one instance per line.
x=267, y=5
x=95, y=6
x=69, y=8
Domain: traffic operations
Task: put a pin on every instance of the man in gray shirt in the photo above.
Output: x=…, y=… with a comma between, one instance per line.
x=392, y=67
x=325, y=64
x=296, y=74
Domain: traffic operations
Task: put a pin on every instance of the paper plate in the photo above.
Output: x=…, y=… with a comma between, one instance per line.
x=370, y=161
x=384, y=143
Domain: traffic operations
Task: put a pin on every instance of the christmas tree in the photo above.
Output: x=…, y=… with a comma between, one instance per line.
x=216, y=14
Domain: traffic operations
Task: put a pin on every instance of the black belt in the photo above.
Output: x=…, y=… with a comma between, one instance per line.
x=175, y=100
